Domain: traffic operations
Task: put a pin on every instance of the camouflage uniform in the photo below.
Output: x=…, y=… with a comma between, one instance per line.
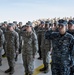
x=20, y=39
x=45, y=48
x=1, y=44
x=62, y=52
x=39, y=33
x=30, y=47
x=11, y=46
x=4, y=30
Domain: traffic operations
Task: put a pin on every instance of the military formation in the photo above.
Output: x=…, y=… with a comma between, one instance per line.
x=45, y=37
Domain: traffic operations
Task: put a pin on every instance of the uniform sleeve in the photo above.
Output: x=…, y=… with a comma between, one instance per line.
x=17, y=42
x=35, y=44
x=2, y=39
x=45, y=44
x=71, y=49
x=50, y=35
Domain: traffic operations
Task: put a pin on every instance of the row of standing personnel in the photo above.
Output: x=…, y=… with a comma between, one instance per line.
x=59, y=39
x=10, y=41
x=30, y=46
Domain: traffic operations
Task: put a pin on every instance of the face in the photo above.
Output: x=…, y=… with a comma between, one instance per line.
x=62, y=29
x=70, y=27
x=10, y=28
x=20, y=24
x=4, y=25
x=28, y=28
x=42, y=25
x=54, y=27
x=46, y=26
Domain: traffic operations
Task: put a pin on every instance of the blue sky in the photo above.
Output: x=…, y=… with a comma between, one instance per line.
x=24, y=10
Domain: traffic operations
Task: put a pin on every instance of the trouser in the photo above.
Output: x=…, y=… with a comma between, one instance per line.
x=39, y=47
x=59, y=69
x=0, y=54
x=40, y=53
x=46, y=59
x=11, y=61
x=4, y=48
x=28, y=63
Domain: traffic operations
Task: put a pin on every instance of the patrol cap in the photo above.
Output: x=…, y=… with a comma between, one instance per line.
x=5, y=22
x=56, y=22
x=29, y=23
x=42, y=22
x=20, y=22
x=71, y=22
x=10, y=24
x=15, y=22
x=48, y=22
x=62, y=22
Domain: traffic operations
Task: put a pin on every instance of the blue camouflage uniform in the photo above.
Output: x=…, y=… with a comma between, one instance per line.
x=71, y=22
x=61, y=52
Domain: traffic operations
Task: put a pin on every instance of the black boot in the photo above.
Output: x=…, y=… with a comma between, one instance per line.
x=16, y=58
x=26, y=73
x=12, y=70
x=39, y=58
x=4, y=55
x=0, y=63
x=46, y=71
x=42, y=69
x=46, y=68
x=8, y=70
x=30, y=74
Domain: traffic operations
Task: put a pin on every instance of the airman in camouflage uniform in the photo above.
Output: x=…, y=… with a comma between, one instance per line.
x=62, y=51
x=39, y=33
x=11, y=47
x=20, y=39
x=1, y=45
x=30, y=47
x=4, y=29
x=45, y=48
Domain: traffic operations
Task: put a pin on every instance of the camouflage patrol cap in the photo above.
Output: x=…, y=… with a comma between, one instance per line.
x=20, y=22
x=29, y=23
x=10, y=24
x=5, y=22
x=15, y=22
x=71, y=22
x=62, y=22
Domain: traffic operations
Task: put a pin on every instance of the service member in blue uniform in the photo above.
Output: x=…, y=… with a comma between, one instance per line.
x=62, y=43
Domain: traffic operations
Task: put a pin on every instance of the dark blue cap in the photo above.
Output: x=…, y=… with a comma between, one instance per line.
x=10, y=24
x=62, y=22
x=71, y=22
